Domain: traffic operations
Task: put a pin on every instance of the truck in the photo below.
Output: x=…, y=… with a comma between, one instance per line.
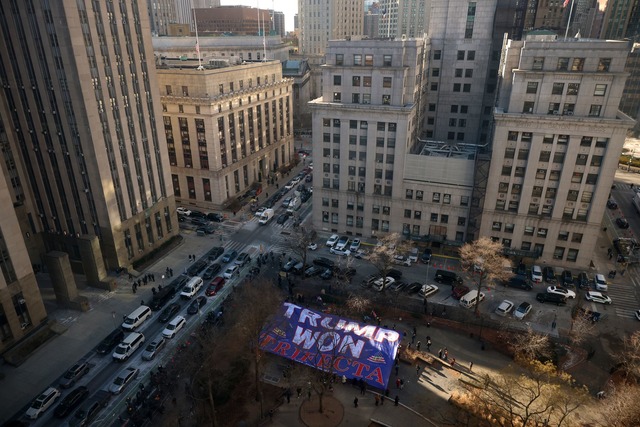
x=294, y=204
x=636, y=202
x=266, y=216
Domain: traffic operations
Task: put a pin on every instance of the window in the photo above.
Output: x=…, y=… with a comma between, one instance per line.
x=541, y=173
x=604, y=64
x=337, y=80
x=600, y=90
x=432, y=107
x=434, y=86
x=542, y=232
x=528, y=107
x=528, y=230
x=366, y=81
x=557, y=89
x=577, y=64
x=576, y=237
x=532, y=87
x=519, y=171
x=368, y=60
x=386, y=82
x=558, y=253
x=506, y=170
x=468, y=73
x=572, y=255
x=337, y=97
x=407, y=213
x=436, y=198
x=466, y=87
x=563, y=236
x=538, y=62
x=563, y=64
x=355, y=98
x=453, y=122
x=454, y=108
x=573, y=88
x=386, y=99
x=471, y=55
x=572, y=195
x=497, y=226
x=355, y=81
x=460, y=55
x=457, y=87
x=444, y=219
x=563, y=139
x=581, y=160
x=592, y=178
x=554, y=176
x=437, y=54
x=458, y=72
x=386, y=60
x=409, y=194
x=533, y=208
x=594, y=111
x=525, y=246
x=500, y=204
x=464, y=109
x=435, y=72
x=602, y=142
x=357, y=60
x=523, y=154
x=544, y=156
x=586, y=197
x=596, y=160
x=568, y=109
x=339, y=60
x=576, y=178
x=446, y=199
x=366, y=98
x=537, y=191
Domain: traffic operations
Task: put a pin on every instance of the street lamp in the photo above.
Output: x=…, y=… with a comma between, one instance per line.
x=629, y=162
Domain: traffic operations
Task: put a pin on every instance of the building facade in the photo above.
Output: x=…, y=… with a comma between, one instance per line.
x=558, y=136
x=277, y=23
x=371, y=25
x=630, y=103
x=228, y=129
x=93, y=161
x=300, y=72
x=162, y=13
x=324, y=20
x=621, y=20
x=236, y=20
x=372, y=175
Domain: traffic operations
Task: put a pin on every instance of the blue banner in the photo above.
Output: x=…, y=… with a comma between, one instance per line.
x=327, y=342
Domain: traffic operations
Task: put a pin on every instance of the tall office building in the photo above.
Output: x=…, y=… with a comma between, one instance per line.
x=461, y=90
x=277, y=23
x=371, y=25
x=621, y=20
x=89, y=169
x=324, y=20
x=229, y=127
x=558, y=136
x=161, y=14
x=630, y=103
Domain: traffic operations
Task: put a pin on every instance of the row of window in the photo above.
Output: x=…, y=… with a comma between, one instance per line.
x=369, y=60
x=184, y=90
x=594, y=109
x=558, y=252
x=459, y=72
x=540, y=232
x=570, y=64
x=557, y=88
x=365, y=80
x=353, y=124
x=364, y=98
x=569, y=213
x=151, y=222
x=585, y=141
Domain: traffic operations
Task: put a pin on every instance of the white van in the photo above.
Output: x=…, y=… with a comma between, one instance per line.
x=471, y=298
x=136, y=318
x=128, y=346
x=601, y=283
x=191, y=288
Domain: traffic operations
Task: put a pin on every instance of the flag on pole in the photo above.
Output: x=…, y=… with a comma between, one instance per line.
x=566, y=3
x=384, y=12
x=197, y=47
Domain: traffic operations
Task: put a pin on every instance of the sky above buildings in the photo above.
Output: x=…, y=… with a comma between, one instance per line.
x=288, y=7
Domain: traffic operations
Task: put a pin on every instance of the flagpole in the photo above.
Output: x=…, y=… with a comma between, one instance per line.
x=195, y=23
x=569, y=22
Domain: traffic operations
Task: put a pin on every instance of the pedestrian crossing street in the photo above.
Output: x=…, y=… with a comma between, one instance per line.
x=625, y=186
x=256, y=247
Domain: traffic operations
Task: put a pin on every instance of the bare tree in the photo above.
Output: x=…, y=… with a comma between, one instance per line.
x=382, y=255
x=629, y=357
x=530, y=345
x=540, y=396
x=582, y=328
x=299, y=240
x=341, y=275
x=621, y=407
x=483, y=259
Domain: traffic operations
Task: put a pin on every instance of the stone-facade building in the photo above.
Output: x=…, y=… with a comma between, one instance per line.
x=239, y=48
x=300, y=72
x=227, y=128
x=558, y=135
x=324, y=20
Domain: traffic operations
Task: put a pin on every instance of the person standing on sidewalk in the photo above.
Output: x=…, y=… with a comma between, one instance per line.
x=418, y=370
x=396, y=401
x=355, y=402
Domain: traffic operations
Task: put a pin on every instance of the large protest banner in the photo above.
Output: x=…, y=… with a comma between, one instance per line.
x=331, y=343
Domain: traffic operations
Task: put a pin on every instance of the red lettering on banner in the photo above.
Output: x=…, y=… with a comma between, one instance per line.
x=359, y=368
x=337, y=362
x=376, y=375
x=282, y=348
x=268, y=339
x=307, y=356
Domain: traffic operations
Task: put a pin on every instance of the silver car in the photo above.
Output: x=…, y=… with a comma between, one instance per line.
x=153, y=348
x=124, y=378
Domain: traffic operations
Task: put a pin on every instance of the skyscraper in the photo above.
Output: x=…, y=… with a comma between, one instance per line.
x=324, y=20
x=81, y=110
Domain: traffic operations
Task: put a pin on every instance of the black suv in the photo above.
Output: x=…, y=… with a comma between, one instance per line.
x=552, y=298
x=518, y=282
x=324, y=262
x=549, y=275
x=112, y=340
x=583, y=280
x=567, y=279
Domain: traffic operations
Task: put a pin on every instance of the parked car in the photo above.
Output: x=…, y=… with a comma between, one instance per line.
x=289, y=265
x=426, y=256
x=169, y=311
x=521, y=269
x=601, y=283
x=340, y=252
x=536, y=274
x=549, y=275
x=90, y=409
x=342, y=243
x=216, y=217
x=282, y=218
x=413, y=288
x=211, y=271
x=326, y=274
x=183, y=211
x=174, y=327
x=567, y=293
x=324, y=262
x=285, y=202
x=355, y=245
x=312, y=246
x=76, y=372
x=214, y=253
x=401, y=260
x=598, y=297
x=622, y=223
x=383, y=283
x=368, y=281
x=396, y=274
x=71, y=401
x=42, y=403
x=197, y=214
x=124, y=378
x=229, y=256
x=518, y=282
x=152, y=349
x=611, y=204
x=504, y=308
x=428, y=290
x=459, y=291
x=314, y=270
x=234, y=270
x=215, y=286
x=112, y=340
x=583, y=280
x=242, y=259
x=567, y=279
x=308, y=178
x=197, y=304
x=199, y=221
x=332, y=240
x=522, y=310
x=557, y=299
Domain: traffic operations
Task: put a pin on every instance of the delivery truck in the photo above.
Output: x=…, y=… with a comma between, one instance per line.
x=266, y=216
